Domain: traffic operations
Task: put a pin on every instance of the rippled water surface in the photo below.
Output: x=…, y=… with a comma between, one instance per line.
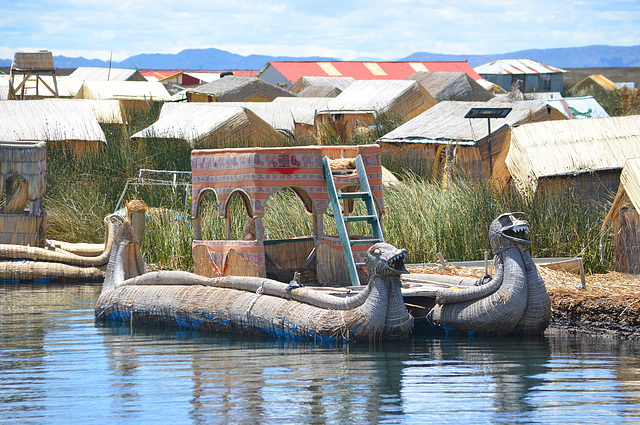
x=57, y=365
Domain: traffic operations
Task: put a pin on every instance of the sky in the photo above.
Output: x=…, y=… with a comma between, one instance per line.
x=347, y=29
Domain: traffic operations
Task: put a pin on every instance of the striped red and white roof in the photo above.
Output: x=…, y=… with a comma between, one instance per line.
x=516, y=66
x=293, y=71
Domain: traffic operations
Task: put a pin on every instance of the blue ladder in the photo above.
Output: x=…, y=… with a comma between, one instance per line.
x=341, y=220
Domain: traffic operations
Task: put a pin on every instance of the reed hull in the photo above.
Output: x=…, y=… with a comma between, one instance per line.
x=228, y=310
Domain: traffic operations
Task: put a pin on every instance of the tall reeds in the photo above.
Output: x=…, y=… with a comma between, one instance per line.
x=425, y=217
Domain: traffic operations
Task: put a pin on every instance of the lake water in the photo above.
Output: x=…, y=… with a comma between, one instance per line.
x=58, y=366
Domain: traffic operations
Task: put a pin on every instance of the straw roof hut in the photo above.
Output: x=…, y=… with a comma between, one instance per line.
x=87, y=73
x=589, y=154
x=22, y=189
x=303, y=110
x=231, y=126
x=360, y=104
x=236, y=88
x=595, y=81
x=51, y=120
x=304, y=83
x=123, y=90
x=133, y=95
x=626, y=220
x=451, y=86
x=320, y=91
x=277, y=115
x=442, y=135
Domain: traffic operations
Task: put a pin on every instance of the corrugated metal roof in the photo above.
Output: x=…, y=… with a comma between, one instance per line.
x=557, y=148
x=123, y=90
x=575, y=107
x=49, y=120
x=293, y=71
x=303, y=109
x=445, y=123
x=376, y=96
x=278, y=115
x=195, y=123
x=516, y=66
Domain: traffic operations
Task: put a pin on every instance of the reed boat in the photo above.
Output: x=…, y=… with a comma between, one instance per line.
x=254, y=305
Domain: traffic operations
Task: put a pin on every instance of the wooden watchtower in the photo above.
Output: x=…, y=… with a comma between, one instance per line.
x=31, y=64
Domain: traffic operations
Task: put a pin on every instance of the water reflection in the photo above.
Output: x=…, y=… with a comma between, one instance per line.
x=58, y=365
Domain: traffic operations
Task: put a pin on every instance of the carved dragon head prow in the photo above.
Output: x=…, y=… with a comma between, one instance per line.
x=386, y=260
x=509, y=227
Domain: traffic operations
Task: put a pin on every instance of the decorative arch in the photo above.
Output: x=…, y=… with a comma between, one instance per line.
x=246, y=199
x=303, y=195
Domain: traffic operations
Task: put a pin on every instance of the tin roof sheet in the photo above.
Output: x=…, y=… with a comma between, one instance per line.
x=516, y=66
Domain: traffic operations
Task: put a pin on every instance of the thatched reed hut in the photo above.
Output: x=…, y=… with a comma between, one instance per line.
x=88, y=73
x=23, y=173
x=235, y=88
x=303, y=110
x=451, y=86
x=587, y=154
x=52, y=120
x=133, y=95
x=207, y=127
x=360, y=104
x=443, y=138
x=315, y=86
x=626, y=219
x=596, y=81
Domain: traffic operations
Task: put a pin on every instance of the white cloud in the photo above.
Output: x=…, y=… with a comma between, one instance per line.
x=345, y=29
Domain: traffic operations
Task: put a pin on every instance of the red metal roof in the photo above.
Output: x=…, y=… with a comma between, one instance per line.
x=293, y=71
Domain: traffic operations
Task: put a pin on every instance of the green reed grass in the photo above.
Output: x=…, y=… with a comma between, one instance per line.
x=425, y=217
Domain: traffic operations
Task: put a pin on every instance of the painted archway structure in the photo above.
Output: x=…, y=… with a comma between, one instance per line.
x=257, y=172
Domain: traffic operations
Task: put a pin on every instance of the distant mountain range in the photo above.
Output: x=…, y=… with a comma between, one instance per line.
x=219, y=60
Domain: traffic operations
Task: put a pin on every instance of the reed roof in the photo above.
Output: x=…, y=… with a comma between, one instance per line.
x=85, y=73
x=570, y=147
x=303, y=109
x=123, y=90
x=451, y=86
x=48, y=120
x=596, y=80
x=305, y=82
x=236, y=88
x=40, y=61
x=629, y=188
x=194, y=124
x=320, y=91
x=278, y=115
x=445, y=123
x=379, y=96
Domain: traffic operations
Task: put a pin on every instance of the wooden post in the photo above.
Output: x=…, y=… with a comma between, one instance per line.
x=583, y=279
